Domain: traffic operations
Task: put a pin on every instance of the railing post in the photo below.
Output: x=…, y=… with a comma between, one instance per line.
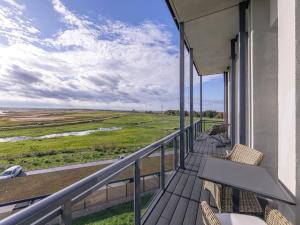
x=137, y=199
x=232, y=92
x=66, y=215
x=201, y=113
x=186, y=140
x=162, y=167
x=191, y=133
x=191, y=139
x=181, y=88
x=175, y=158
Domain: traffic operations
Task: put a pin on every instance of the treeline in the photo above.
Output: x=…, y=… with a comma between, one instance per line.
x=207, y=113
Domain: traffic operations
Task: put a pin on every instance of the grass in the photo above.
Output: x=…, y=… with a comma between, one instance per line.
x=13, y=118
x=117, y=215
x=138, y=130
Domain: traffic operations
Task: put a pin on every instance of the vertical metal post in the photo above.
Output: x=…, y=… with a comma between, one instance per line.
x=181, y=85
x=242, y=71
x=191, y=102
x=189, y=139
x=137, y=191
x=175, y=158
x=66, y=216
x=201, y=113
x=162, y=167
x=186, y=140
x=226, y=102
x=224, y=98
x=232, y=93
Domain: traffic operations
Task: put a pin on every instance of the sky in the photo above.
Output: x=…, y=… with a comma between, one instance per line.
x=104, y=54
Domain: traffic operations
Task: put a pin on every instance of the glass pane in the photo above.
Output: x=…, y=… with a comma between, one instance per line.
x=112, y=204
x=169, y=160
x=150, y=178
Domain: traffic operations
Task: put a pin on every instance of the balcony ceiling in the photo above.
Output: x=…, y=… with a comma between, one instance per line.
x=209, y=26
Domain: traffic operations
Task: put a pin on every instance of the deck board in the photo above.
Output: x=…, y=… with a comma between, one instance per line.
x=179, y=202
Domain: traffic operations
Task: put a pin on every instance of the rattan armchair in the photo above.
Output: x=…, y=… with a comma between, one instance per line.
x=219, y=133
x=244, y=154
x=223, y=195
x=272, y=216
x=208, y=216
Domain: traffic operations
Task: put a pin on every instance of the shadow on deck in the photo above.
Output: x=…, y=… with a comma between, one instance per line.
x=179, y=202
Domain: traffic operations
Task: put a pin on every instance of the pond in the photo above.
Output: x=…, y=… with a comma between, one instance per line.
x=65, y=134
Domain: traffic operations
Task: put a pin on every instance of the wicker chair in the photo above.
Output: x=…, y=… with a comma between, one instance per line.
x=244, y=154
x=272, y=216
x=208, y=216
x=223, y=195
x=220, y=134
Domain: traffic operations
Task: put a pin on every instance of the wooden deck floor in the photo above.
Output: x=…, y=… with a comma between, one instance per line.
x=179, y=202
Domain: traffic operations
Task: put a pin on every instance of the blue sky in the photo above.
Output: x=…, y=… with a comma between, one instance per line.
x=107, y=54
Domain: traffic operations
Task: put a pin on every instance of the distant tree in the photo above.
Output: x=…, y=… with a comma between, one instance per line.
x=196, y=114
x=219, y=115
x=150, y=112
x=210, y=113
x=172, y=112
x=175, y=112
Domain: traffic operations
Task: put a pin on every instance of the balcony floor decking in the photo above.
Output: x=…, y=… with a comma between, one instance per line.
x=179, y=202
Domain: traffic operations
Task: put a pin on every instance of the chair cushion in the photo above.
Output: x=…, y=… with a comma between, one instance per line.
x=239, y=219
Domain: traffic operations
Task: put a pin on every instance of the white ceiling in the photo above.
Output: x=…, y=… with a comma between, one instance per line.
x=209, y=26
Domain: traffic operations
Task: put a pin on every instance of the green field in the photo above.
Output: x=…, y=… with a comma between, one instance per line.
x=138, y=130
x=117, y=215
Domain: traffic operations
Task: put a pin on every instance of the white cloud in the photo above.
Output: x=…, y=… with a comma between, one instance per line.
x=108, y=65
x=15, y=4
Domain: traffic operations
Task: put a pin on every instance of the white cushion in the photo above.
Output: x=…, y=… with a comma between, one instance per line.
x=239, y=219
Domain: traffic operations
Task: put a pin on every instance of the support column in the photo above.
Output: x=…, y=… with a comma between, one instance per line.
x=191, y=102
x=232, y=93
x=224, y=99
x=181, y=85
x=242, y=72
x=201, y=113
x=227, y=97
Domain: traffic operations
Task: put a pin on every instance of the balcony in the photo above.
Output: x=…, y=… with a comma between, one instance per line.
x=179, y=202
x=179, y=194
x=217, y=37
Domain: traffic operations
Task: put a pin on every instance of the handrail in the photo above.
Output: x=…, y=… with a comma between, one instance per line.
x=60, y=203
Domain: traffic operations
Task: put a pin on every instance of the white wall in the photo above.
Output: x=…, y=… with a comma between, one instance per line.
x=286, y=94
x=297, y=124
x=297, y=87
x=288, y=71
x=263, y=75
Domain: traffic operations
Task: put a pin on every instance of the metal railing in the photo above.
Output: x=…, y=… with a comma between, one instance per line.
x=60, y=203
x=207, y=124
